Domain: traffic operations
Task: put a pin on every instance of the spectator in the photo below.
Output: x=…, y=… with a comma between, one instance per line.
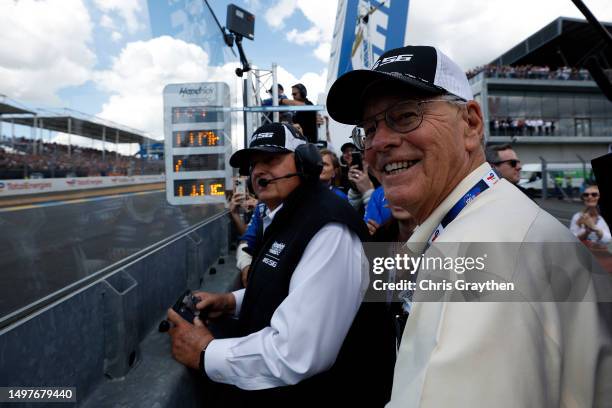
x=248, y=242
x=505, y=162
x=361, y=189
x=281, y=96
x=588, y=225
x=306, y=119
x=377, y=212
x=331, y=167
x=424, y=141
x=283, y=116
x=345, y=163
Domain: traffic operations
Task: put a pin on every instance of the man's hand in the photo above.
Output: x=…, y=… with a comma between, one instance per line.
x=216, y=304
x=372, y=226
x=360, y=178
x=588, y=222
x=320, y=120
x=236, y=201
x=244, y=275
x=249, y=203
x=188, y=340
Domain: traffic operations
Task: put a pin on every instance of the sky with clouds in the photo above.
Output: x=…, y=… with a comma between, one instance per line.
x=100, y=56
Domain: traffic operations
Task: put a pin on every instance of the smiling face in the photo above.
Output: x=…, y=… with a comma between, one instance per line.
x=590, y=197
x=420, y=168
x=268, y=166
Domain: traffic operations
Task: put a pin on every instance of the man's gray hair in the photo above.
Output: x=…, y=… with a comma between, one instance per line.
x=492, y=152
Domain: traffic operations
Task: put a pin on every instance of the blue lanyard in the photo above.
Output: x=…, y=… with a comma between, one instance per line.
x=484, y=183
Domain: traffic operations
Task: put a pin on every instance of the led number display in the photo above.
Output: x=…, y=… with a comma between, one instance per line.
x=197, y=138
x=199, y=188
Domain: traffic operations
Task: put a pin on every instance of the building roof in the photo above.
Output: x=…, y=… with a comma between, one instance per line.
x=564, y=42
x=10, y=107
x=86, y=128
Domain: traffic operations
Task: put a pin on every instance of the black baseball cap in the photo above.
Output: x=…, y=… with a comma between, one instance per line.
x=279, y=86
x=347, y=145
x=424, y=68
x=273, y=138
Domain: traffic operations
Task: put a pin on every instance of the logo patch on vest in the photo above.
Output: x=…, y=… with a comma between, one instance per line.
x=276, y=248
x=271, y=257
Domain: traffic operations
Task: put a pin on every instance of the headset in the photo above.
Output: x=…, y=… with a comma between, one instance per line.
x=302, y=90
x=308, y=163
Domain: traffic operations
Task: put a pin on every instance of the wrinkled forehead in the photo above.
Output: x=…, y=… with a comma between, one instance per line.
x=381, y=94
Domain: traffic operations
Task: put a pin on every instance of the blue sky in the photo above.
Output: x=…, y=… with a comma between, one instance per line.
x=101, y=57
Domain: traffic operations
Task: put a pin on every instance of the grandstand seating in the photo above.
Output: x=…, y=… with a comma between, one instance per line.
x=19, y=159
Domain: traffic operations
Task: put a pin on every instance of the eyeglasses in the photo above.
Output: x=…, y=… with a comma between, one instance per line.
x=511, y=162
x=403, y=117
x=594, y=195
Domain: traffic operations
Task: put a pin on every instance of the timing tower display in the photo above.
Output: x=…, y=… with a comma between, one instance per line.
x=197, y=129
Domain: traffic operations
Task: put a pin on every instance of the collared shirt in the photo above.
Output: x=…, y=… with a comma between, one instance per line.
x=269, y=216
x=308, y=328
x=418, y=240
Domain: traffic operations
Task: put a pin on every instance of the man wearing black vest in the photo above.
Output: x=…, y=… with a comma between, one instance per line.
x=305, y=288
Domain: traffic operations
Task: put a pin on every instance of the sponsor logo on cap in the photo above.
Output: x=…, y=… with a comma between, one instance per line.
x=394, y=58
x=264, y=135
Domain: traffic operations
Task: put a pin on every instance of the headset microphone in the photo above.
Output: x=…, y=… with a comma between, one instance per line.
x=265, y=182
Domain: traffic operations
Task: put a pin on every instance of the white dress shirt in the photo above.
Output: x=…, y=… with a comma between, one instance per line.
x=308, y=328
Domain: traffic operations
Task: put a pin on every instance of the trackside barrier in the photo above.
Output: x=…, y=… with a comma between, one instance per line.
x=10, y=188
x=102, y=338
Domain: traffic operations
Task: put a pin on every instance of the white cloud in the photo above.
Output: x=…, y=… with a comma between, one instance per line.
x=107, y=22
x=474, y=32
x=42, y=51
x=140, y=72
x=321, y=14
x=280, y=11
x=130, y=11
x=116, y=36
x=311, y=36
x=323, y=51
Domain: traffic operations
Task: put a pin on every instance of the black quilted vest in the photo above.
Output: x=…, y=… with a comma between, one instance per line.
x=363, y=370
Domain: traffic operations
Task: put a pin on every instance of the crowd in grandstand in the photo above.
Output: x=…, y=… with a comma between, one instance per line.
x=531, y=72
x=20, y=160
x=522, y=127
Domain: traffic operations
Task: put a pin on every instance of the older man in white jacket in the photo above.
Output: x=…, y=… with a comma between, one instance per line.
x=545, y=343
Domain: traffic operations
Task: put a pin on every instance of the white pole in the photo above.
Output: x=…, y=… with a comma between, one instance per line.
x=69, y=136
x=103, y=143
x=275, y=115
